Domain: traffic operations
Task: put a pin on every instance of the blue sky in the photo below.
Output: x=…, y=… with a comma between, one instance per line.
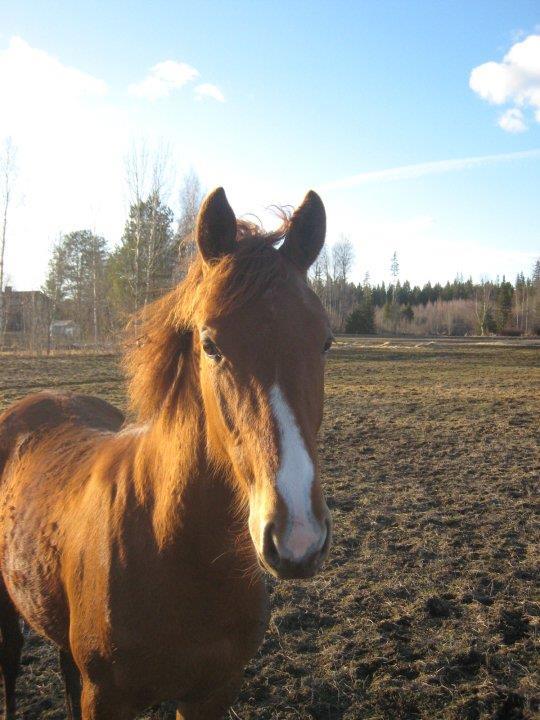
x=269, y=99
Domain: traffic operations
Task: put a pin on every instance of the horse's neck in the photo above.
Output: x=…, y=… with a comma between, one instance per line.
x=188, y=490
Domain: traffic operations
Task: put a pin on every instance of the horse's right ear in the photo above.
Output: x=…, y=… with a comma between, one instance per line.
x=216, y=226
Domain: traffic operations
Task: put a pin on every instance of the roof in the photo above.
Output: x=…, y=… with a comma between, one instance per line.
x=10, y=293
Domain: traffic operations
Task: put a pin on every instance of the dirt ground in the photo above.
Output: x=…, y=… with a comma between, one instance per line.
x=427, y=608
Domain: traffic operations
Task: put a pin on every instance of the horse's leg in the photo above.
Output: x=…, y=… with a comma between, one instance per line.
x=215, y=706
x=72, y=684
x=100, y=703
x=10, y=650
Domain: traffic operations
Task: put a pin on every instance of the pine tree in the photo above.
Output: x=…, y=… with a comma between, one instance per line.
x=362, y=318
x=407, y=313
x=505, y=295
x=536, y=298
x=142, y=267
x=76, y=282
x=394, y=267
x=391, y=308
x=55, y=284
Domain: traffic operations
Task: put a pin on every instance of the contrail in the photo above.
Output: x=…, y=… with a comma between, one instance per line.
x=411, y=172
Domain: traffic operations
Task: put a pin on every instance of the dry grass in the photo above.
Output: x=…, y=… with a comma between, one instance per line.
x=427, y=607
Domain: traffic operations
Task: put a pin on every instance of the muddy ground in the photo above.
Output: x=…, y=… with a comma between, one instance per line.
x=427, y=608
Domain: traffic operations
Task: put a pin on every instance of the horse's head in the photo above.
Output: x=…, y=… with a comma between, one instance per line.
x=263, y=336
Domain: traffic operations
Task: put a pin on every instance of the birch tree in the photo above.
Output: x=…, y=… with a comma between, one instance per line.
x=148, y=182
x=191, y=196
x=483, y=307
x=7, y=180
x=342, y=257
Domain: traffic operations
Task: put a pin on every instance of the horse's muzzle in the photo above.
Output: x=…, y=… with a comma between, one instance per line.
x=282, y=566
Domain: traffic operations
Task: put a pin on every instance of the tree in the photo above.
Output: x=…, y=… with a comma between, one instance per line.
x=456, y=308
x=97, y=260
x=342, y=258
x=329, y=278
x=191, y=196
x=407, y=313
x=77, y=281
x=147, y=173
x=362, y=318
x=357, y=322
x=7, y=179
x=391, y=314
x=520, y=302
x=341, y=296
x=379, y=294
x=394, y=267
x=318, y=272
x=142, y=266
x=391, y=311
x=55, y=284
x=503, y=312
x=536, y=298
x=483, y=308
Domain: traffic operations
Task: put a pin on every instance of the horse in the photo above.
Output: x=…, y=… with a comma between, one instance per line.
x=139, y=549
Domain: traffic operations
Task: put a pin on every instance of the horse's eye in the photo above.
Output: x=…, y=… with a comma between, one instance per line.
x=328, y=344
x=211, y=349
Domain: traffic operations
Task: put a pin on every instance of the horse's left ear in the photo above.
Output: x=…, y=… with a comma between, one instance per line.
x=216, y=226
x=306, y=233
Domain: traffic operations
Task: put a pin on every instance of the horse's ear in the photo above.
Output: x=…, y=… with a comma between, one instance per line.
x=216, y=226
x=306, y=233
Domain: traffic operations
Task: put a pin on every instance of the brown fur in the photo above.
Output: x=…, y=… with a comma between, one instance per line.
x=155, y=360
x=128, y=546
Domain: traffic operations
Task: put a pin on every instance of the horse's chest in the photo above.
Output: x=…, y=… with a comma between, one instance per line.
x=191, y=645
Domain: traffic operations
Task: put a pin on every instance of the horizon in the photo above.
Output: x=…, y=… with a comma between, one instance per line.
x=418, y=125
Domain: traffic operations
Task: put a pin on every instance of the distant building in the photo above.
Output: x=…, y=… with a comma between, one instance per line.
x=24, y=316
x=64, y=333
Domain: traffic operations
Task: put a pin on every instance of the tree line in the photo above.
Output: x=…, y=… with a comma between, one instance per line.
x=98, y=287
x=460, y=307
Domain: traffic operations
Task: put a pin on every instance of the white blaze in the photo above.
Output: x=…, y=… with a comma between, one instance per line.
x=294, y=482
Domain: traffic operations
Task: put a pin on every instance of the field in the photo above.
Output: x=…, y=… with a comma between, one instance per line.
x=427, y=606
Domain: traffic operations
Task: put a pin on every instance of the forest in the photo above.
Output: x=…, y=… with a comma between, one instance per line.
x=95, y=287
x=99, y=289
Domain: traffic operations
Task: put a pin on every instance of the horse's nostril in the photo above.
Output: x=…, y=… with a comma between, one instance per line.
x=270, y=551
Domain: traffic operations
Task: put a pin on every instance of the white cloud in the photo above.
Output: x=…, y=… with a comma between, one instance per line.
x=70, y=140
x=163, y=79
x=411, y=172
x=515, y=80
x=209, y=90
x=24, y=69
x=72, y=134
x=512, y=121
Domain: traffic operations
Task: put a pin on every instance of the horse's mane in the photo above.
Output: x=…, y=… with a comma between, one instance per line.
x=159, y=363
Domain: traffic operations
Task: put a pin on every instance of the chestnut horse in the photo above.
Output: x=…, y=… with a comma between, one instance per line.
x=136, y=549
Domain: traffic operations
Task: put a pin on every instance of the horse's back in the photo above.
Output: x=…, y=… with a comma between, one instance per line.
x=36, y=415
